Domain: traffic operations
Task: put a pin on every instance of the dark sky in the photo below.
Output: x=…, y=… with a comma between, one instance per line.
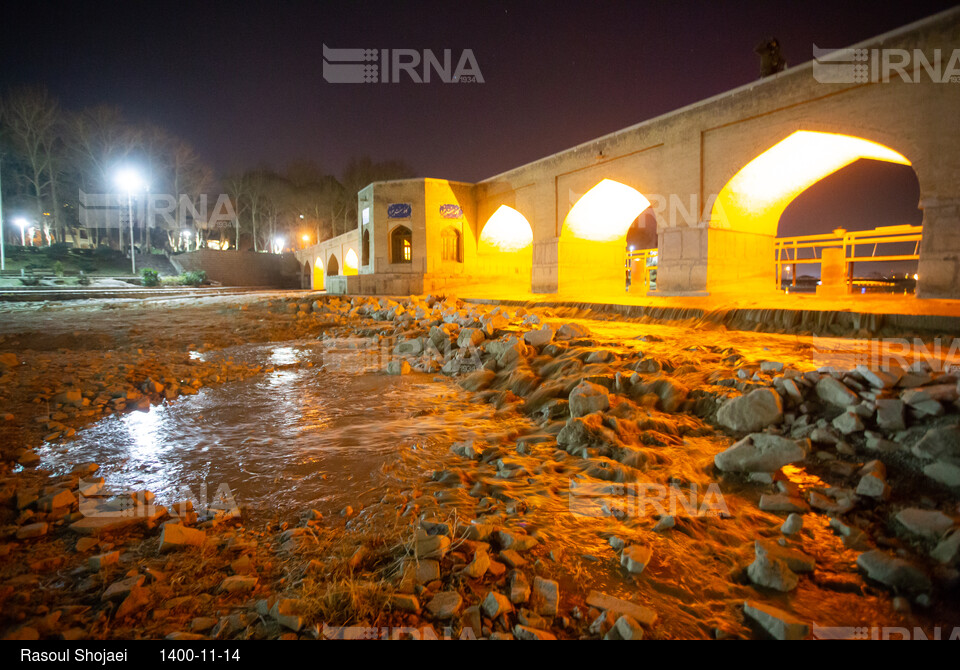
x=242, y=81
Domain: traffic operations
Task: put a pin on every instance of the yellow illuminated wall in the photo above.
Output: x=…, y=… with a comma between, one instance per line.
x=318, y=280
x=592, y=248
x=753, y=200
x=351, y=263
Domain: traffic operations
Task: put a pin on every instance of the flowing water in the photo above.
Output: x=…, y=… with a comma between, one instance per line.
x=322, y=429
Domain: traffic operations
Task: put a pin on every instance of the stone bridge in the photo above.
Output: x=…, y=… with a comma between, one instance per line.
x=706, y=185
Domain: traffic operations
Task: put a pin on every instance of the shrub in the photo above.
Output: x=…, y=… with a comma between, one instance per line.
x=58, y=268
x=30, y=280
x=150, y=277
x=194, y=278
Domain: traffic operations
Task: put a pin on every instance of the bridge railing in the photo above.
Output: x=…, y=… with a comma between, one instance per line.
x=788, y=250
x=641, y=264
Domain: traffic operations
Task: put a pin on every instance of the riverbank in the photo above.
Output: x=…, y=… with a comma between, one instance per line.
x=601, y=508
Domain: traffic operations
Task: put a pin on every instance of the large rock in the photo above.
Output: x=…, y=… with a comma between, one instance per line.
x=644, y=615
x=943, y=471
x=545, y=599
x=539, y=338
x=635, y=558
x=938, y=442
x=893, y=572
x=587, y=398
x=771, y=572
x=445, y=605
x=761, y=452
x=781, y=625
x=175, y=536
x=752, y=412
x=931, y=524
x=834, y=392
x=572, y=331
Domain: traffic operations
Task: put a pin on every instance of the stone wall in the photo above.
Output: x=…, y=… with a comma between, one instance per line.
x=242, y=268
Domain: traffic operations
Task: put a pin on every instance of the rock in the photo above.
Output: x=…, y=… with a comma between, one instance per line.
x=873, y=485
x=645, y=616
x=286, y=612
x=834, y=392
x=404, y=603
x=431, y=546
x=768, y=571
x=781, y=625
x=121, y=588
x=890, y=415
x=32, y=530
x=175, y=536
x=136, y=600
x=893, y=572
x=512, y=558
x=879, y=378
x=56, y=500
x=519, y=588
x=471, y=620
x=539, y=338
x=238, y=584
x=399, y=367
x=496, y=604
x=931, y=524
x=528, y=633
x=948, y=549
x=470, y=337
x=666, y=522
x=445, y=605
x=587, y=398
x=573, y=331
x=202, y=624
x=793, y=524
x=943, y=471
x=635, y=558
x=478, y=380
x=99, y=525
x=752, y=412
x=545, y=598
x=478, y=567
x=939, y=442
x=97, y=563
x=779, y=503
x=761, y=452
x=625, y=628
x=848, y=422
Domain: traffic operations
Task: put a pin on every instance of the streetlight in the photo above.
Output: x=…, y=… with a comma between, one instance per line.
x=23, y=223
x=278, y=245
x=130, y=181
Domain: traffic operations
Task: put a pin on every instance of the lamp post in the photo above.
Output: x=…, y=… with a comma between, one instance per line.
x=130, y=181
x=3, y=254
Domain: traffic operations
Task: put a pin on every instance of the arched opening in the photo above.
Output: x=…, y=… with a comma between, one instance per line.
x=401, y=245
x=451, y=247
x=750, y=209
x=642, y=253
x=351, y=263
x=593, y=245
x=505, y=248
x=333, y=266
x=365, y=248
x=318, y=280
x=305, y=275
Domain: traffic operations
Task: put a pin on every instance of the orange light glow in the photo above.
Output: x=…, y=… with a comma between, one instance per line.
x=605, y=212
x=318, y=280
x=754, y=199
x=351, y=263
x=507, y=231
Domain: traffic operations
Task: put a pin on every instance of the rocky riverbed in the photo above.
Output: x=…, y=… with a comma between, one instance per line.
x=635, y=481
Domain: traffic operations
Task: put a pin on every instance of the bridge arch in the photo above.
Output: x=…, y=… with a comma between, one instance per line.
x=593, y=238
x=318, y=277
x=305, y=275
x=351, y=262
x=746, y=213
x=505, y=248
x=333, y=265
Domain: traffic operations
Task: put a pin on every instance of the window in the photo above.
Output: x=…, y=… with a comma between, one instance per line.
x=450, y=239
x=401, y=245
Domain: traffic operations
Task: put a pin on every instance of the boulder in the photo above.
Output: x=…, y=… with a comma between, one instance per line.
x=780, y=624
x=834, y=392
x=752, y=412
x=587, y=398
x=761, y=452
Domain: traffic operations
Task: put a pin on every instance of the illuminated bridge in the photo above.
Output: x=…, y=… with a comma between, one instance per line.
x=704, y=185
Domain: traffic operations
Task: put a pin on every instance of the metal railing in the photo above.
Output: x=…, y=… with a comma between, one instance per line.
x=788, y=249
x=642, y=262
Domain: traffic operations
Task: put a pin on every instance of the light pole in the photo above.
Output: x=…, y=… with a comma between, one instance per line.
x=130, y=181
x=3, y=255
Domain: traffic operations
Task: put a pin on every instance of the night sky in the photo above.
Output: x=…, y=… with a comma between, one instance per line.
x=242, y=81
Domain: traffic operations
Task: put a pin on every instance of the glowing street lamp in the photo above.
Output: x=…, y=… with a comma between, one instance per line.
x=22, y=222
x=278, y=245
x=130, y=181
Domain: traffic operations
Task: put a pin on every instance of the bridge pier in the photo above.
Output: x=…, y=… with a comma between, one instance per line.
x=938, y=270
